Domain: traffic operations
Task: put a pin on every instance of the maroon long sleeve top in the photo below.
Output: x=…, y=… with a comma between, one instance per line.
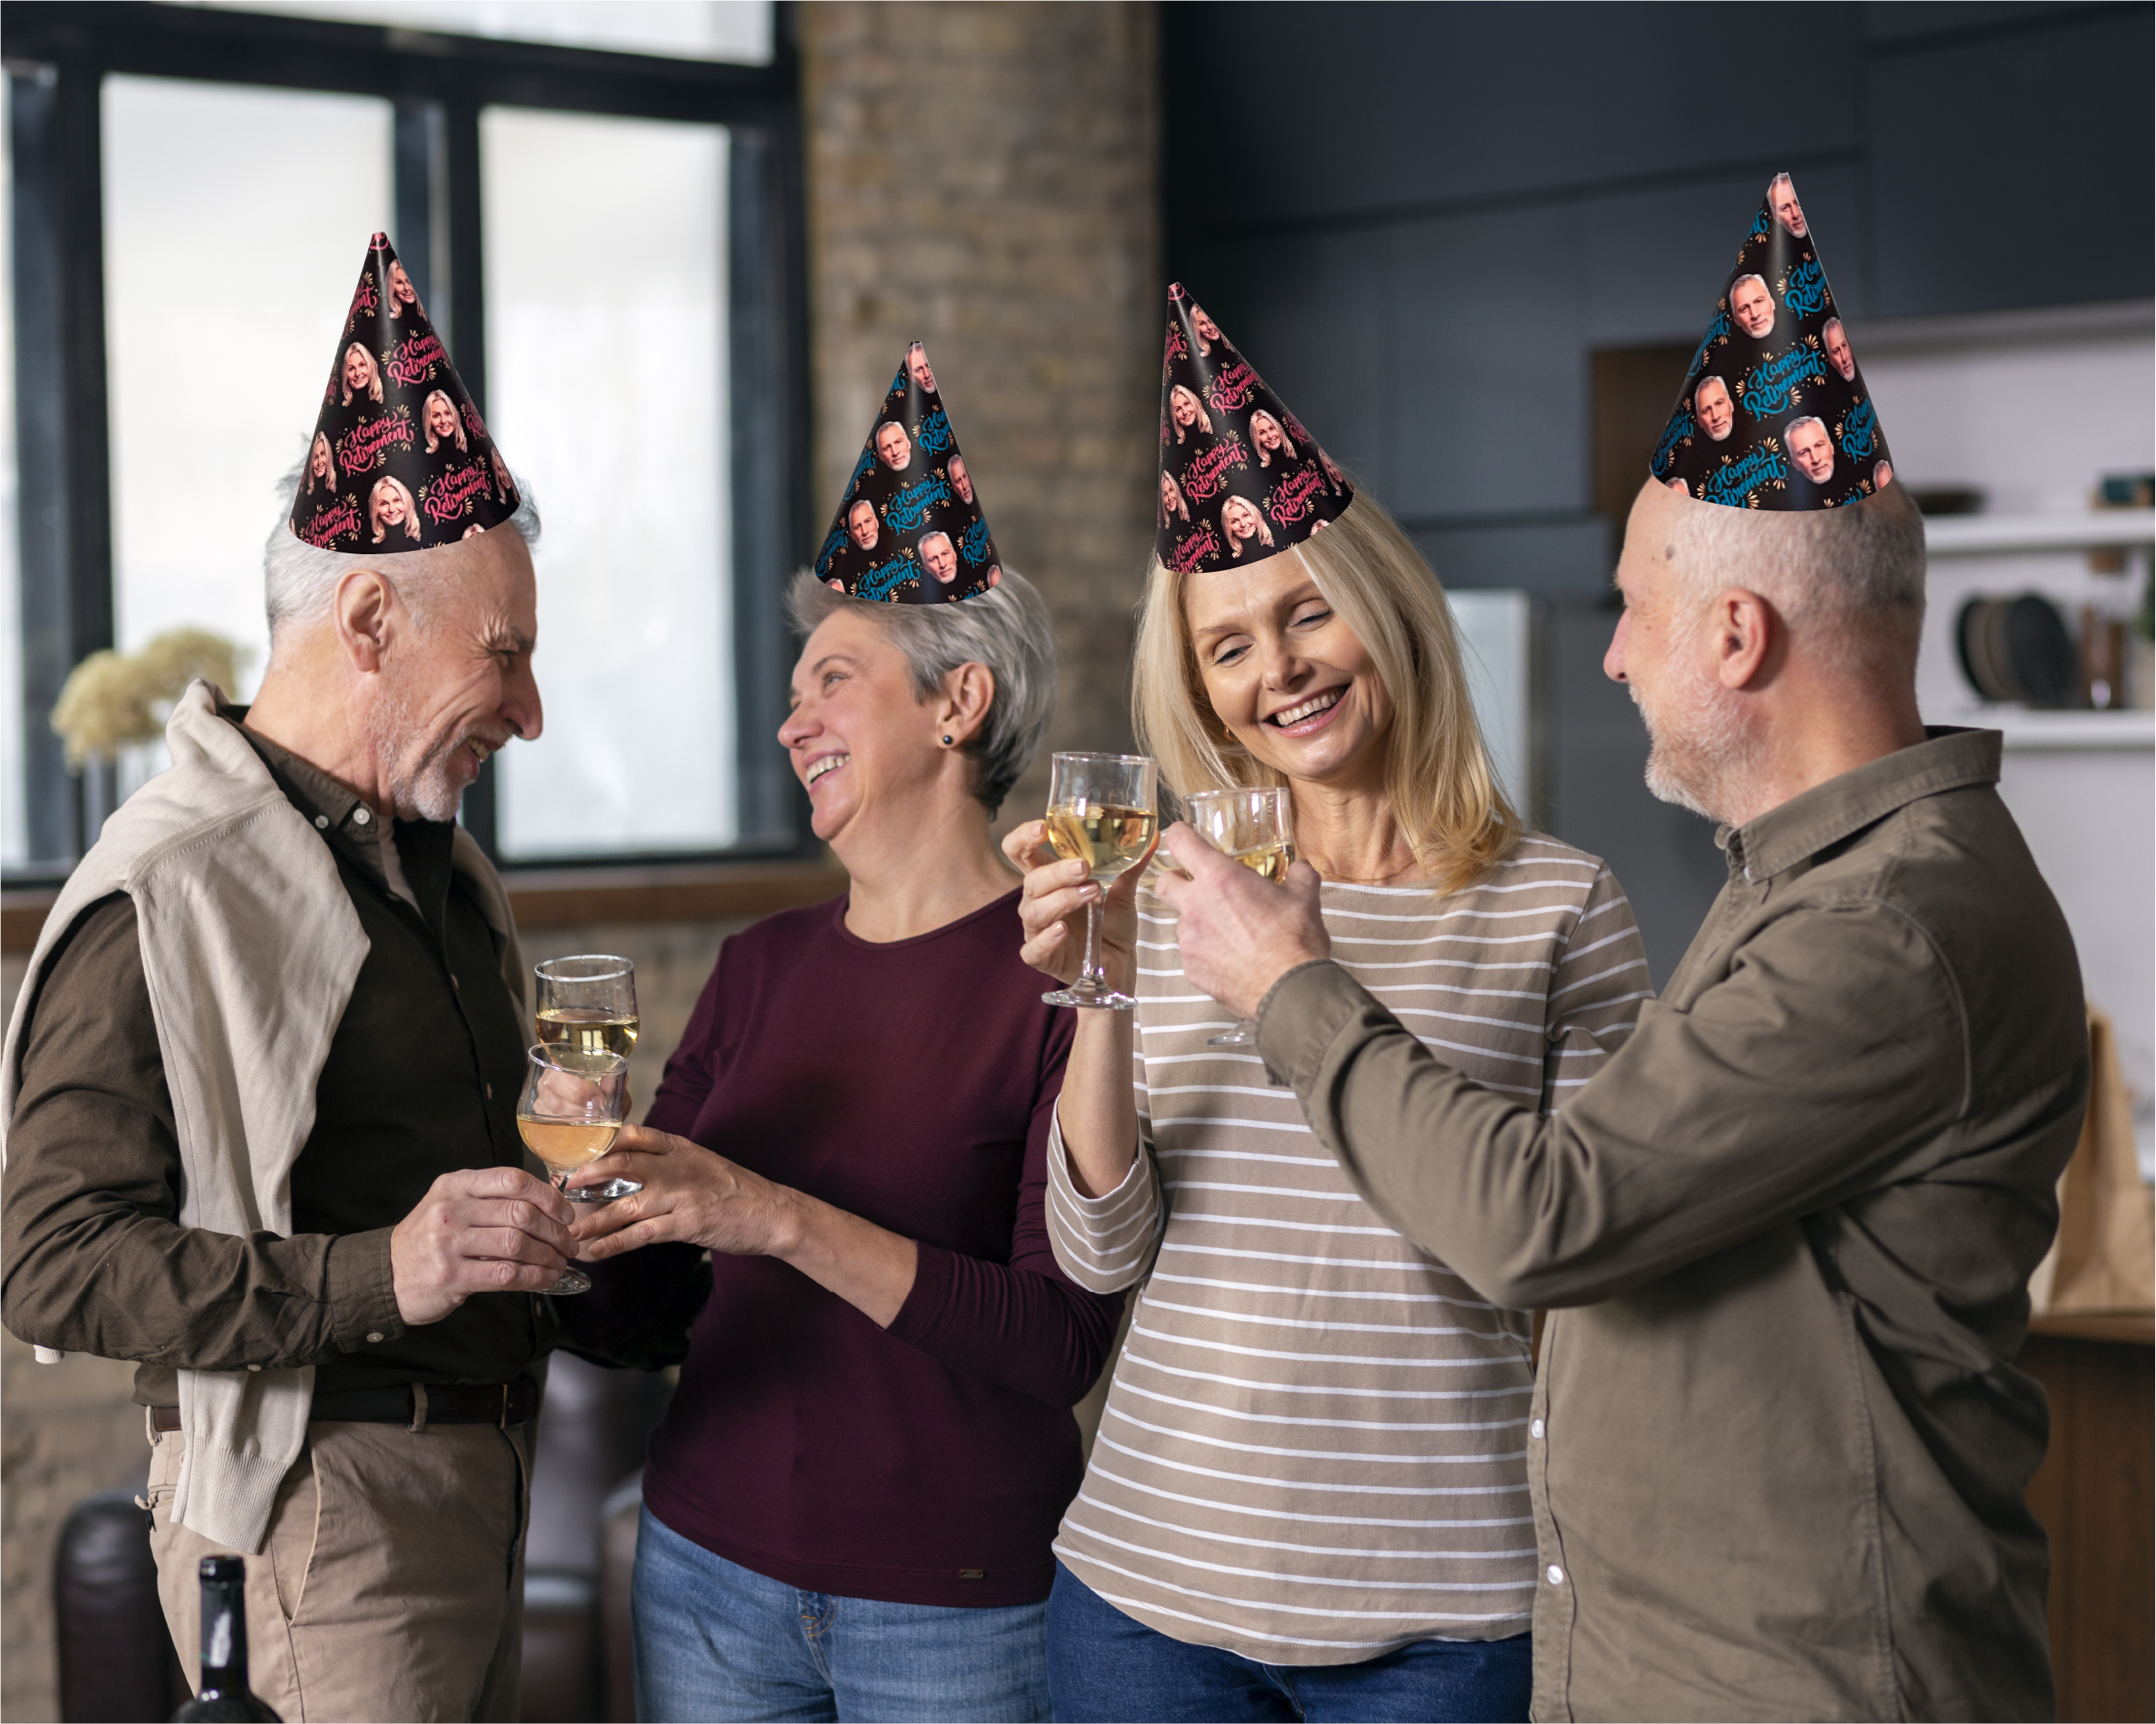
x=911, y=1083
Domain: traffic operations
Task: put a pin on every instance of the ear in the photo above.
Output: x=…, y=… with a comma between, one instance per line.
x=364, y=611
x=963, y=705
x=1745, y=634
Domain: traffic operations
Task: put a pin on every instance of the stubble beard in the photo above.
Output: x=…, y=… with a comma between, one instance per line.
x=423, y=790
x=1699, y=746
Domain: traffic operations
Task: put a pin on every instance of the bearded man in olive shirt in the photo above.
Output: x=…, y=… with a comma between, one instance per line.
x=1778, y=1445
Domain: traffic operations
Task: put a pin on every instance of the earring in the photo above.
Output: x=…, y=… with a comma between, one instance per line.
x=947, y=742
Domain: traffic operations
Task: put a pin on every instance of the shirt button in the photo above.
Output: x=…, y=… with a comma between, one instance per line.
x=322, y=820
x=490, y=1093
x=254, y=1367
x=1535, y=1431
x=376, y=1335
x=361, y=817
x=1556, y=1575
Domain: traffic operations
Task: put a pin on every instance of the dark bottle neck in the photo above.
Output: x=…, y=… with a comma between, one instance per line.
x=224, y=1636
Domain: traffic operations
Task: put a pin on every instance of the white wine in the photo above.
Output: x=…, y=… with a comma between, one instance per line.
x=580, y=1030
x=566, y=1144
x=1105, y=834
x=1267, y=861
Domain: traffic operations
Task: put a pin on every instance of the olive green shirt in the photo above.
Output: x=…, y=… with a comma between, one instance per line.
x=1778, y=1444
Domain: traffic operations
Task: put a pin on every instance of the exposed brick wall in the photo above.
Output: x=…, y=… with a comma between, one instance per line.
x=984, y=179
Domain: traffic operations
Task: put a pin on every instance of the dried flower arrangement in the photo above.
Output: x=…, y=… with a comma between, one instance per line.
x=111, y=698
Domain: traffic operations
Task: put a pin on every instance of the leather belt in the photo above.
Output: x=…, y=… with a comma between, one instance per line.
x=417, y=1404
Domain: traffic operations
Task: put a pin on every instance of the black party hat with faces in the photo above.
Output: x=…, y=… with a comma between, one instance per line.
x=1774, y=413
x=1240, y=480
x=908, y=530
x=401, y=460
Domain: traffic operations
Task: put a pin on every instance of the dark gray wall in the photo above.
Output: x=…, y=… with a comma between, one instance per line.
x=1419, y=220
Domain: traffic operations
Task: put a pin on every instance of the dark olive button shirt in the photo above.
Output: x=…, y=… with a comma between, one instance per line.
x=1778, y=1444
x=422, y=1079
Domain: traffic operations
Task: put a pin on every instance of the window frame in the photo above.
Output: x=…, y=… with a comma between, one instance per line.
x=57, y=55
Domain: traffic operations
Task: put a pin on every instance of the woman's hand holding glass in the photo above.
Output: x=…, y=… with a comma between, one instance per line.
x=686, y=1195
x=1053, y=903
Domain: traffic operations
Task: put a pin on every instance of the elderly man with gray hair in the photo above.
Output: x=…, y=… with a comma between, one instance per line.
x=260, y=1113
x=1778, y=1445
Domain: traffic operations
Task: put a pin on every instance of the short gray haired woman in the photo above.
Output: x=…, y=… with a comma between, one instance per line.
x=848, y=1512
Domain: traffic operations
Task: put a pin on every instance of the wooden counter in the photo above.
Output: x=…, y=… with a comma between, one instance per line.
x=2094, y=1494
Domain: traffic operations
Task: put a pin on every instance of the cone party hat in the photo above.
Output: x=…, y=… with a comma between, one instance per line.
x=1774, y=413
x=908, y=530
x=400, y=459
x=1240, y=480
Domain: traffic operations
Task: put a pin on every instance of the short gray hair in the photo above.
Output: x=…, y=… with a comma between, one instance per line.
x=1851, y=578
x=1005, y=628
x=300, y=579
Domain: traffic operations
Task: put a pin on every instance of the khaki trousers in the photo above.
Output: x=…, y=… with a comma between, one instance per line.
x=391, y=1585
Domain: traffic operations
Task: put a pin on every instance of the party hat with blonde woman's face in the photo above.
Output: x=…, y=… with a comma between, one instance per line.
x=908, y=530
x=1774, y=413
x=1240, y=480
x=399, y=460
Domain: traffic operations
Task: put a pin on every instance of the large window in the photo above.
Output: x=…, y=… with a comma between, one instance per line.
x=609, y=244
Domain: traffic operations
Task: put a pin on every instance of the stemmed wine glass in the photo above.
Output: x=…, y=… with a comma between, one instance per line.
x=1257, y=828
x=588, y=1004
x=1100, y=809
x=572, y=1107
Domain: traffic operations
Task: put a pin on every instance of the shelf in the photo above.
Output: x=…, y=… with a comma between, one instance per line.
x=2003, y=535
x=2027, y=731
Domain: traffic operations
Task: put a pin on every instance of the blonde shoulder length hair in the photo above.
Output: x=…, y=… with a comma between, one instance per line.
x=1438, y=774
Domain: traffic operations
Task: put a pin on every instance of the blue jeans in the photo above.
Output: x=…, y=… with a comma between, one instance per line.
x=1103, y=1665
x=717, y=1641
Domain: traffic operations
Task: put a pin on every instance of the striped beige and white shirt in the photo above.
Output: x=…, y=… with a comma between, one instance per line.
x=1315, y=1448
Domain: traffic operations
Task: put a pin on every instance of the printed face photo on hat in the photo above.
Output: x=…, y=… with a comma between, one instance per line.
x=1204, y=328
x=1241, y=522
x=917, y=368
x=1712, y=407
x=1676, y=485
x=894, y=448
x=1332, y=473
x=321, y=465
x=361, y=376
x=390, y=505
x=1810, y=447
x=503, y=482
x=402, y=293
x=1752, y=303
x=1171, y=498
x=472, y=532
x=1882, y=475
x=1268, y=438
x=940, y=557
x=1837, y=349
x=861, y=525
x=961, y=480
x=1782, y=196
x=443, y=423
x=1185, y=410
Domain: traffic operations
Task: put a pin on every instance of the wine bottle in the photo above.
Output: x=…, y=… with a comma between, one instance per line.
x=225, y=1693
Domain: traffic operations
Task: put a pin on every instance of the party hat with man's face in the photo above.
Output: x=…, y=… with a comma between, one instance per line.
x=1774, y=413
x=908, y=530
x=401, y=460
x=1240, y=480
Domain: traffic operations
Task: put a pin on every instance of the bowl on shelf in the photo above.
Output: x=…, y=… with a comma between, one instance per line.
x=2018, y=650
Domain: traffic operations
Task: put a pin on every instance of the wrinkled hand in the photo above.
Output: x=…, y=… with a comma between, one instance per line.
x=1051, y=909
x=1239, y=935
x=480, y=1230
x=690, y=1196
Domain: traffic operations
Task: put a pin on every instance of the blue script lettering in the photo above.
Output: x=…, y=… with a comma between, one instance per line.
x=1716, y=331
x=868, y=460
x=935, y=433
x=1735, y=481
x=885, y=579
x=1771, y=385
x=1681, y=426
x=1860, y=431
x=910, y=508
x=1805, y=292
x=973, y=543
x=832, y=546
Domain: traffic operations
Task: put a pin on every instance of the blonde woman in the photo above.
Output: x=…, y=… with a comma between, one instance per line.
x=1241, y=522
x=1184, y=410
x=1268, y=440
x=439, y=414
x=1308, y=1497
x=321, y=466
x=361, y=376
x=389, y=505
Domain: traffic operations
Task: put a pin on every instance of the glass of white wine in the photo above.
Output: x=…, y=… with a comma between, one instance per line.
x=588, y=1004
x=573, y=1105
x=1257, y=828
x=1101, y=809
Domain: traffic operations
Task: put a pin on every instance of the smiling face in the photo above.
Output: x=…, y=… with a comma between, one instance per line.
x=1710, y=405
x=1266, y=431
x=453, y=693
x=861, y=524
x=961, y=480
x=358, y=367
x=388, y=500
x=1204, y=325
x=1811, y=449
x=440, y=415
x=1239, y=519
x=917, y=368
x=857, y=738
x=1752, y=306
x=1292, y=682
x=1837, y=349
x=1787, y=210
x=939, y=559
x=894, y=448
x=1182, y=406
x=318, y=459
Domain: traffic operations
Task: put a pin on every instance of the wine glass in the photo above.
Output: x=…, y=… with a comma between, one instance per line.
x=572, y=1105
x=1099, y=809
x=1257, y=828
x=588, y=1005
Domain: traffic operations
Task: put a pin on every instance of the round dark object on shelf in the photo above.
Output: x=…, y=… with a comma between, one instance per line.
x=1975, y=633
x=2040, y=647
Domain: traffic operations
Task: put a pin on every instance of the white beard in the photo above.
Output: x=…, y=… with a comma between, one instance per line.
x=1700, y=744
x=423, y=790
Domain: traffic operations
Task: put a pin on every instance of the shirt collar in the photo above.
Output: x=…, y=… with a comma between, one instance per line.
x=1947, y=759
x=331, y=805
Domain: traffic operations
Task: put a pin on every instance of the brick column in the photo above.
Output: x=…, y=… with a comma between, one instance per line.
x=984, y=179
